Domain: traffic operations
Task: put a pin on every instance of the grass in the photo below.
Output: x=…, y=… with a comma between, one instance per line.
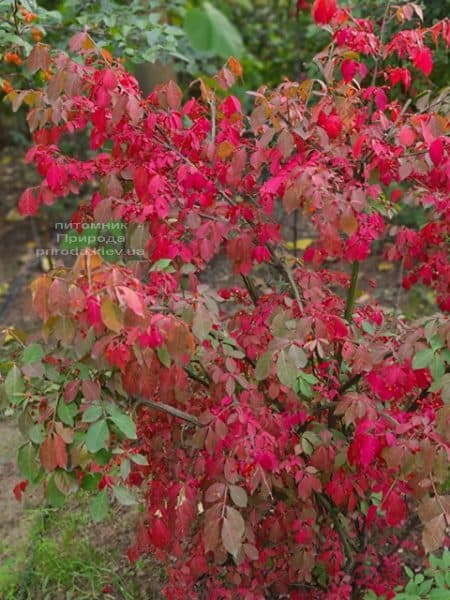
x=61, y=562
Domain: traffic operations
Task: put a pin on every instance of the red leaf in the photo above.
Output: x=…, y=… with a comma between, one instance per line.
x=423, y=60
x=160, y=534
x=47, y=454
x=28, y=203
x=131, y=299
x=58, y=297
x=19, y=489
x=323, y=11
x=60, y=450
x=348, y=69
x=141, y=181
x=56, y=178
x=395, y=509
x=70, y=391
x=91, y=390
x=109, y=79
x=363, y=450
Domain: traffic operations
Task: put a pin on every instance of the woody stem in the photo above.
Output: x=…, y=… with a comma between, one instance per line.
x=350, y=303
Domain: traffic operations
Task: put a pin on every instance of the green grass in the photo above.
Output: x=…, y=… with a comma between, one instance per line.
x=61, y=562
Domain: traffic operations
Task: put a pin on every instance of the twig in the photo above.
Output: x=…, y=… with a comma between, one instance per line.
x=250, y=288
x=196, y=377
x=398, y=294
x=348, y=549
x=348, y=314
x=171, y=410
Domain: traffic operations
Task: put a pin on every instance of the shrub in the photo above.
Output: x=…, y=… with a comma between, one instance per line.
x=285, y=435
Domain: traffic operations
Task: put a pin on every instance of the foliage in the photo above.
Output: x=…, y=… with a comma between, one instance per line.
x=285, y=438
x=433, y=583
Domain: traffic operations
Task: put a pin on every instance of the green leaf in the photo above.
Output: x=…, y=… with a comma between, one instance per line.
x=125, y=424
x=28, y=465
x=54, y=496
x=368, y=327
x=263, y=366
x=37, y=433
x=202, y=323
x=163, y=356
x=125, y=468
x=124, y=496
x=304, y=383
x=437, y=367
x=14, y=385
x=97, y=435
x=33, y=353
x=309, y=441
x=161, y=265
x=99, y=507
x=66, y=482
x=93, y=413
x=90, y=481
x=138, y=459
x=102, y=457
x=298, y=356
x=286, y=370
x=423, y=358
x=238, y=495
x=209, y=30
x=440, y=594
x=67, y=412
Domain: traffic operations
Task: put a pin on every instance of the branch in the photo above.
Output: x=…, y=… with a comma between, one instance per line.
x=280, y=266
x=171, y=410
x=196, y=377
x=348, y=549
x=348, y=314
x=250, y=288
x=348, y=384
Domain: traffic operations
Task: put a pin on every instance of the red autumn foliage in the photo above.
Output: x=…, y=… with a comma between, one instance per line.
x=287, y=432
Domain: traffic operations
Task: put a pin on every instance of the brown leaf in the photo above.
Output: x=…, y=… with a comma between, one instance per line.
x=232, y=531
x=65, y=483
x=215, y=492
x=235, y=66
x=70, y=391
x=64, y=329
x=39, y=58
x=433, y=535
x=91, y=390
x=239, y=496
x=225, y=149
x=212, y=527
x=39, y=290
x=47, y=454
x=66, y=433
x=174, y=95
x=348, y=223
x=251, y=551
x=58, y=297
x=111, y=315
x=60, y=451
